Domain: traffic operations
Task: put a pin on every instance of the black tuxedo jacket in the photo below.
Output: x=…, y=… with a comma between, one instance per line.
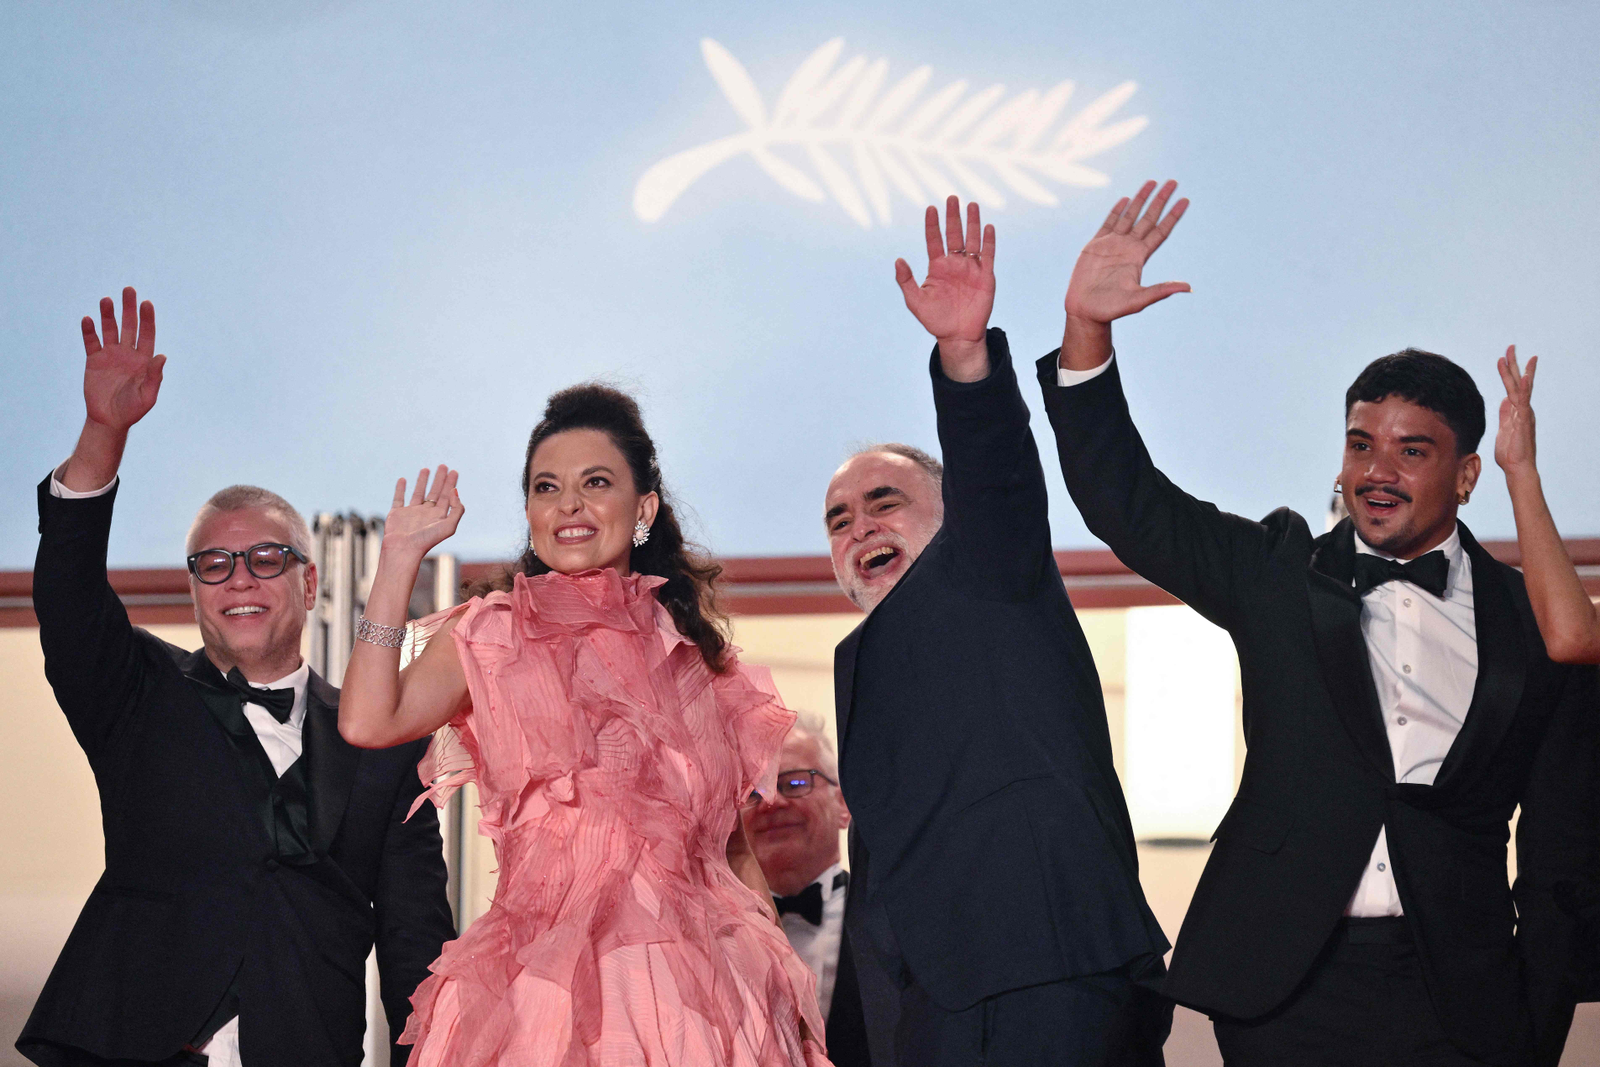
x=1318, y=782
x=191, y=902
x=991, y=848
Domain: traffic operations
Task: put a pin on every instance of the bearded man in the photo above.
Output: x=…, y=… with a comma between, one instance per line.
x=994, y=908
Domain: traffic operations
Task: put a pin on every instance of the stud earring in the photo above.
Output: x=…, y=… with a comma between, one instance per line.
x=1337, y=487
x=641, y=533
x=1466, y=495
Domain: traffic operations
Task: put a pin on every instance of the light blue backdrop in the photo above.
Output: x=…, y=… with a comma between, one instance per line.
x=378, y=235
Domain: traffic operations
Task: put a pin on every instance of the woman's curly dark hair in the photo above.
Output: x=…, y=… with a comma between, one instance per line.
x=691, y=574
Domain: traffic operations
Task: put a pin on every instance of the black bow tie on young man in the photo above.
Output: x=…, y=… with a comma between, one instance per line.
x=1430, y=571
x=278, y=701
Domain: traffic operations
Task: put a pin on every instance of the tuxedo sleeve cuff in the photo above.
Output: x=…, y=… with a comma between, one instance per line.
x=58, y=489
x=1078, y=377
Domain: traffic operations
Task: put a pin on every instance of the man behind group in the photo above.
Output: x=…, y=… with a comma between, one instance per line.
x=795, y=838
x=1398, y=707
x=253, y=857
x=995, y=910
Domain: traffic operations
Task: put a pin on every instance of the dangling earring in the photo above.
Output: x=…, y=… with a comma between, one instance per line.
x=533, y=548
x=641, y=533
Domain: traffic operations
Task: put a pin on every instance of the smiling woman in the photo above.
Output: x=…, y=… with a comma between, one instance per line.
x=592, y=696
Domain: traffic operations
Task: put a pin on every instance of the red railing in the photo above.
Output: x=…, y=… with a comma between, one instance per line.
x=775, y=585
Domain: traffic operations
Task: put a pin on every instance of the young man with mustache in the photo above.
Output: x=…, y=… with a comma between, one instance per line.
x=994, y=911
x=253, y=857
x=1398, y=707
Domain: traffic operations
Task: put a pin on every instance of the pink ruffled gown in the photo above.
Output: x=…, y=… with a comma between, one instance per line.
x=609, y=762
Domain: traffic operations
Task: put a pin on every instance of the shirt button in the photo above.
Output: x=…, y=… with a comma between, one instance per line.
x=1401, y=720
x=1383, y=867
x=1406, y=602
x=1407, y=668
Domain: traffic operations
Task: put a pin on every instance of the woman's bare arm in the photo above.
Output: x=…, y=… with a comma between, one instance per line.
x=1567, y=617
x=742, y=861
x=381, y=705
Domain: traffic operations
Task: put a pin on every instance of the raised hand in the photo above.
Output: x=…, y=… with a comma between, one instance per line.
x=122, y=376
x=1514, y=441
x=1106, y=283
x=954, y=300
x=432, y=515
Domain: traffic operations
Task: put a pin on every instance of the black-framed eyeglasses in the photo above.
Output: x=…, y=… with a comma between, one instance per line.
x=793, y=784
x=213, y=566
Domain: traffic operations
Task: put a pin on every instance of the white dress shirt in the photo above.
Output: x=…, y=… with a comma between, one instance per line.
x=818, y=946
x=1423, y=651
x=283, y=745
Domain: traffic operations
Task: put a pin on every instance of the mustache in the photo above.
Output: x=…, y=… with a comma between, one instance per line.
x=1397, y=493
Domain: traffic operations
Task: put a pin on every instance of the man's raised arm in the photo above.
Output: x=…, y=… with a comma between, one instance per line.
x=90, y=650
x=996, y=512
x=1186, y=546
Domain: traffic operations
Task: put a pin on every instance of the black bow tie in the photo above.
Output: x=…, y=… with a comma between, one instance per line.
x=807, y=904
x=1430, y=571
x=278, y=701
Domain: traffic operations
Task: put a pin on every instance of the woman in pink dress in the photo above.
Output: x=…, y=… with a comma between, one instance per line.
x=612, y=735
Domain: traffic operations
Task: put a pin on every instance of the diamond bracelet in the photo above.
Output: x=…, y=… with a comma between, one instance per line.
x=375, y=633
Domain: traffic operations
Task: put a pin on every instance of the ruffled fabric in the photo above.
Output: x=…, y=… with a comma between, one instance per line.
x=610, y=762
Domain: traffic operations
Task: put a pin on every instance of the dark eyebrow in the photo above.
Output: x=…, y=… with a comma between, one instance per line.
x=585, y=474
x=883, y=491
x=1358, y=433
x=833, y=513
x=1418, y=437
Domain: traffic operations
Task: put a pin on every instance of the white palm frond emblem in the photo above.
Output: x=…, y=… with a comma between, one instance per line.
x=924, y=150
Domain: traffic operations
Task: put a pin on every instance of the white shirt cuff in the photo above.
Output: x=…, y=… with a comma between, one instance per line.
x=57, y=489
x=1078, y=377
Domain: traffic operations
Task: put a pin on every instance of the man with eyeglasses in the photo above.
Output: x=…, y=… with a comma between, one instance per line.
x=253, y=857
x=795, y=838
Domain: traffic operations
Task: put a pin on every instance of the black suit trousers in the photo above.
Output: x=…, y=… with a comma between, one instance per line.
x=1364, y=1004
x=1098, y=1020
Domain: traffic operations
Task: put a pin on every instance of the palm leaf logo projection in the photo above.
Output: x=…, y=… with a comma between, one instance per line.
x=924, y=147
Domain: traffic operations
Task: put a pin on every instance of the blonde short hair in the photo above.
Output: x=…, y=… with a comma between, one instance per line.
x=245, y=497
x=809, y=724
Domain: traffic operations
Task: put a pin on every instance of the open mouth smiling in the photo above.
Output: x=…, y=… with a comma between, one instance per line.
x=874, y=563
x=245, y=609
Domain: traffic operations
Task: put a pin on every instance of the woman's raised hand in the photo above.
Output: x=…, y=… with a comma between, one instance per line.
x=432, y=515
x=1107, y=280
x=1514, y=441
x=122, y=376
x=954, y=301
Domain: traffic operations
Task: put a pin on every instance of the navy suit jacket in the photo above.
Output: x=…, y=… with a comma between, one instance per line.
x=991, y=847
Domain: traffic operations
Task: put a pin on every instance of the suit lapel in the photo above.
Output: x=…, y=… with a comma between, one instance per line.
x=1342, y=647
x=844, y=679
x=225, y=707
x=1502, y=663
x=330, y=762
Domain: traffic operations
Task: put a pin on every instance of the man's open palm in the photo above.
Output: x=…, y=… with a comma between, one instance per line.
x=954, y=300
x=1106, y=283
x=122, y=376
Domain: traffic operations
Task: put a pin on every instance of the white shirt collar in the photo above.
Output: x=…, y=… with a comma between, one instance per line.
x=827, y=879
x=1451, y=547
